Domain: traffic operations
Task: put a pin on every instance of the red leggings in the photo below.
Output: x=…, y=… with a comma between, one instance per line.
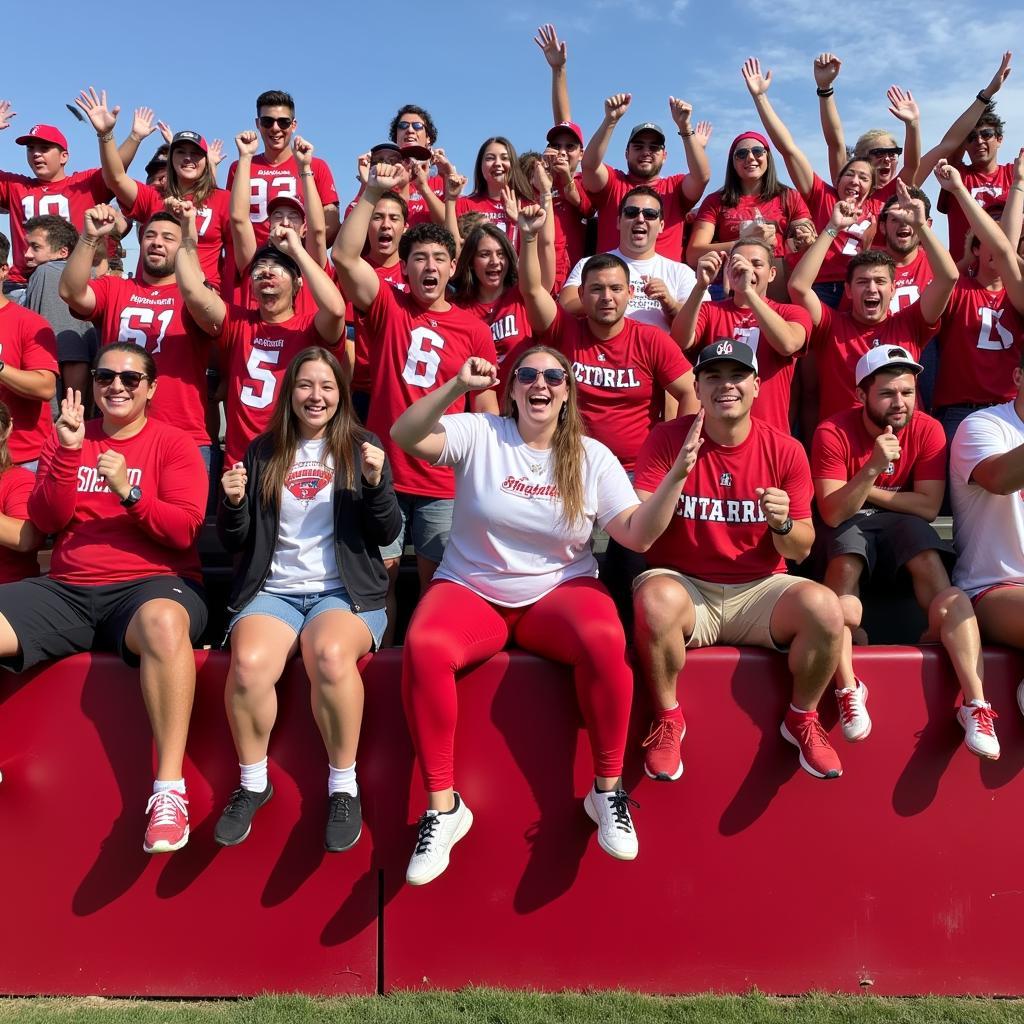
x=453, y=628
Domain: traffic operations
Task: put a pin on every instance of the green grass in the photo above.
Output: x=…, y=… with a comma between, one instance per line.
x=490, y=1006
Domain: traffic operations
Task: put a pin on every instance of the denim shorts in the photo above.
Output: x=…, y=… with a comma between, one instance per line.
x=426, y=522
x=299, y=610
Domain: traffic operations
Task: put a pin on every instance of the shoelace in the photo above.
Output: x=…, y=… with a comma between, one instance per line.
x=340, y=808
x=983, y=717
x=427, y=824
x=848, y=709
x=620, y=801
x=238, y=803
x=811, y=734
x=660, y=735
x=166, y=807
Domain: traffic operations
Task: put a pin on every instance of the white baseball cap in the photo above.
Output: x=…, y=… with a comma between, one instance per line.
x=882, y=357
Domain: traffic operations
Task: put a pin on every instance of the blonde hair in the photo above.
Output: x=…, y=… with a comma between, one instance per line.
x=870, y=138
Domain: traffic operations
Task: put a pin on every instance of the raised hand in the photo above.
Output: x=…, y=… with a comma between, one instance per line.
x=617, y=105
x=708, y=267
x=948, y=176
x=681, y=112
x=385, y=177
x=286, y=240
x=553, y=50
x=540, y=179
x=477, y=374
x=70, y=425
x=185, y=211
x=845, y=214
x=143, y=124
x=439, y=158
x=112, y=467
x=94, y=106
x=247, y=143
x=902, y=105
x=531, y=219
x=373, y=463
x=303, y=150
x=215, y=154
x=1018, y=169
x=687, y=457
x=757, y=83
x=741, y=273
x=233, y=483
x=907, y=209
x=775, y=503
x=1000, y=76
x=362, y=167
x=886, y=450
x=165, y=131
x=99, y=221
x=826, y=69
x=702, y=133
x=6, y=114
x=453, y=185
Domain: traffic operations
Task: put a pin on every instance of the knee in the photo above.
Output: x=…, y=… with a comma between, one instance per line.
x=821, y=611
x=853, y=610
x=948, y=603
x=162, y=628
x=927, y=567
x=660, y=606
x=844, y=572
x=249, y=670
x=334, y=663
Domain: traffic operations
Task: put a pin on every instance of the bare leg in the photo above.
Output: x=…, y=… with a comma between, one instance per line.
x=663, y=617
x=842, y=577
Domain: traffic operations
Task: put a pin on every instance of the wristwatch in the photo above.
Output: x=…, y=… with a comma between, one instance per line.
x=782, y=530
x=135, y=496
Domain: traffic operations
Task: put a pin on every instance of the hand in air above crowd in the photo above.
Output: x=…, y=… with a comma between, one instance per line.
x=902, y=105
x=845, y=214
x=907, y=209
x=616, y=106
x=680, y=111
x=510, y=204
x=94, y=106
x=826, y=69
x=702, y=133
x=540, y=179
x=233, y=482
x=555, y=52
x=439, y=158
x=1000, y=76
x=70, y=425
x=6, y=114
x=531, y=219
x=143, y=122
x=757, y=83
x=286, y=240
x=303, y=152
x=185, y=211
x=386, y=177
x=247, y=143
x=373, y=463
x=100, y=220
x=453, y=185
x=477, y=374
x=948, y=176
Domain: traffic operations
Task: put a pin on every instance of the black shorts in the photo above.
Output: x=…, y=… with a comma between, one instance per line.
x=886, y=541
x=54, y=620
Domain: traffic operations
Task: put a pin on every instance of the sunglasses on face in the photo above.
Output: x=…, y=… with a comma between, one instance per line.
x=416, y=126
x=881, y=152
x=632, y=212
x=755, y=151
x=284, y=123
x=131, y=379
x=985, y=134
x=528, y=374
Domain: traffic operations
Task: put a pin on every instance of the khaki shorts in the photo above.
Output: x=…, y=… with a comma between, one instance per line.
x=734, y=614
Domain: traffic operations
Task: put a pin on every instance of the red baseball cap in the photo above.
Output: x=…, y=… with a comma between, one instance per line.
x=283, y=199
x=569, y=126
x=43, y=133
x=414, y=152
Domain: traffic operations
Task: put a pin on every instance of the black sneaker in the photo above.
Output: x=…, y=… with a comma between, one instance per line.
x=344, y=822
x=236, y=822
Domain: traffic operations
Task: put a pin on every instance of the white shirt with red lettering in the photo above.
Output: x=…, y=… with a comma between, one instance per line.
x=27, y=342
x=509, y=542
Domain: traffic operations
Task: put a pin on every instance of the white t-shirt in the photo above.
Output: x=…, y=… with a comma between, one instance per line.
x=678, y=277
x=304, y=561
x=509, y=542
x=988, y=529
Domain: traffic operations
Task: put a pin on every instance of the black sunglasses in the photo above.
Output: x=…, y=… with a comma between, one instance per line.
x=416, y=126
x=632, y=212
x=131, y=379
x=982, y=133
x=528, y=374
x=284, y=123
x=755, y=151
x=882, y=151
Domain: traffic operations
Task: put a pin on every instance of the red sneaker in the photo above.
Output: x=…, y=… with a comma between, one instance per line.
x=817, y=757
x=168, y=822
x=661, y=749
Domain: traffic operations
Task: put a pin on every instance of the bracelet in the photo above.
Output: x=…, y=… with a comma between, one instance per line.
x=91, y=242
x=786, y=527
x=545, y=195
x=825, y=93
x=109, y=137
x=306, y=174
x=134, y=137
x=686, y=135
x=829, y=230
x=982, y=98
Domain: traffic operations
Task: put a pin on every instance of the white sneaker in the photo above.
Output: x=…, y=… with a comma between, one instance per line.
x=1020, y=696
x=438, y=832
x=979, y=732
x=853, y=712
x=615, y=832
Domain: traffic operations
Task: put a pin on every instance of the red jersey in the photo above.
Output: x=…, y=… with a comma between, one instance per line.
x=99, y=540
x=419, y=212
x=674, y=207
x=725, y=319
x=505, y=316
x=821, y=201
x=154, y=317
x=719, y=532
x=985, y=188
x=908, y=283
x=842, y=446
x=622, y=381
x=257, y=355
x=780, y=211
x=27, y=342
x=839, y=341
x=362, y=379
x=980, y=341
x=493, y=210
x=213, y=225
x=570, y=230
x=15, y=487
x=413, y=351
x=25, y=198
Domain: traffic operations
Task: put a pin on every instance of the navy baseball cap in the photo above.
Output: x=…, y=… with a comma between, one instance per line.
x=726, y=350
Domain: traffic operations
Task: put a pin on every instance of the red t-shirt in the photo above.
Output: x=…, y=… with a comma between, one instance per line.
x=213, y=225
x=980, y=339
x=27, y=342
x=821, y=201
x=780, y=211
x=99, y=540
x=257, y=355
x=493, y=210
x=413, y=351
x=719, y=532
x=362, y=378
x=15, y=487
x=570, y=230
x=908, y=283
x=725, y=319
x=842, y=446
x=985, y=188
x=839, y=341
x=154, y=317
x=25, y=198
x=506, y=317
x=622, y=381
x=674, y=207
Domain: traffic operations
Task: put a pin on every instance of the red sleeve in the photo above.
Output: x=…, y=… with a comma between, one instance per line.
x=52, y=501
x=147, y=202
x=823, y=332
x=796, y=208
x=703, y=325
x=380, y=309
x=324, y=181
x=796, y=482
x=555, y=335
x=931, y=460
x=598, y=198
x=794, y=314
x=709, y=209
x=830, y=454
x=38, y=346
x=231, y=173
x=100, y=288
x=17, y=485
x=658, y=453
x=98, y=188
x=923, y=330
x=669, y=362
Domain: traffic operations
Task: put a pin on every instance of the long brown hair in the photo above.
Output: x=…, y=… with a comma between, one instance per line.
x=464, y=280
x=204, y=187
x=342, y=431
x=517, y=181
x=567, y=444
x=5, y=425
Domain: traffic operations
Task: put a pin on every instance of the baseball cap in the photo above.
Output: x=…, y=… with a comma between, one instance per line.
x=414, y=152
x=269, y=252
x=726, y=350
x=282, y=199
x=194, y=137
x=882, y=357
x=569, y=126
x=43, y=133
x=648, y=126
x=381, y=147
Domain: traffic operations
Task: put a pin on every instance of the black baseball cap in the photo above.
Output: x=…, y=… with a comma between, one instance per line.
x=726, y=350
x=648, y=126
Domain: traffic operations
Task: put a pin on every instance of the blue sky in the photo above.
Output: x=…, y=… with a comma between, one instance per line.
x=479, y=73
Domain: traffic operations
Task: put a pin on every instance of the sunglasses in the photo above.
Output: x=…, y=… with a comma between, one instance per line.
x=131, y=379
x=632, y=212
x=982, y=133
x=552, y=376
x=885, y=151
x=755, y=151
x=416, y=126
x=284, y=123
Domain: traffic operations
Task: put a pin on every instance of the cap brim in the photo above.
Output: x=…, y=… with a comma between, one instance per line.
x=415, y=152
x=703, y=364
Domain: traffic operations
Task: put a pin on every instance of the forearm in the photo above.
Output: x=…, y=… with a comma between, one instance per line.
x=569, y=300
x=805, y=273
x=592, y=165
x=560, y=109
x=52, y=501
x=684, y=325
x=115, y=177
x=316, y=222
x=326, y=296
x=651, y=517
x=698, y=170
x=795, y=545
x=786, y=338
x=74, y=279
x=546, y=244
x=40, y=384
x=1013, y=214
x=541, y=308
x=840, y=504
x=435, y=205
x=910, y=502
x=19, y=534
x=204, y=304
x=174, y=522
x=358, y=279
x=942, y=264
x=796, y=163
x=911, y=152
x=420, y=419
x=832, y=131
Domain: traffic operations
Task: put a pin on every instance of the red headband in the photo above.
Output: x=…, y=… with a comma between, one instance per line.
x=749, y=135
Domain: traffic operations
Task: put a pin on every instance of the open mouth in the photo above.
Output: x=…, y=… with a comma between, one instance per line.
x=539, y=401
x=430, y=281
x=872, y=304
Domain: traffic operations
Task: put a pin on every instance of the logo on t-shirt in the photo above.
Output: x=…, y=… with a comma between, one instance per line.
x=725, y=480
x=305, y=480
x=526, y=489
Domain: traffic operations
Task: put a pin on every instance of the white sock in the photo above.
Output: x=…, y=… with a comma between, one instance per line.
x=254, y=776
x=342, y=780
x=165, y=785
